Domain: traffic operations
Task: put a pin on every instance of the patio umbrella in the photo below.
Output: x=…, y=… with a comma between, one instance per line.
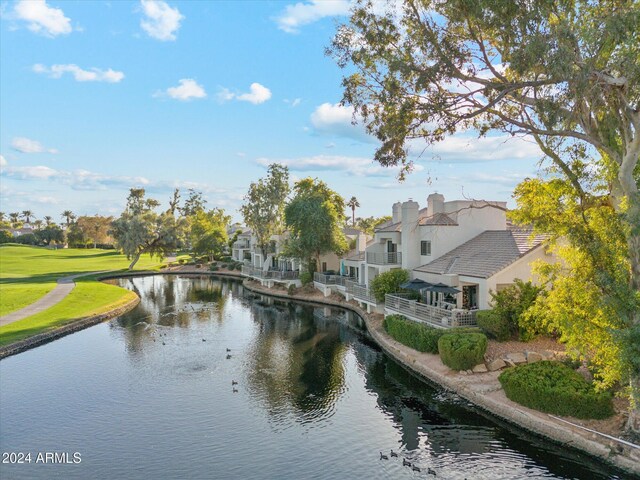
x=442, y=288
x=415, y=284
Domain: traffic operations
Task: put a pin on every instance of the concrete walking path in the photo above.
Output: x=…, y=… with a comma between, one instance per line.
x=61, y=290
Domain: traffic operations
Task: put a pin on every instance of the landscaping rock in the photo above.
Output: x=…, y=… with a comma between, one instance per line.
x=548, y=355
x=480, y=368
x=533, y=357
x=517, y=358
x=497, y=364
x=509, y=362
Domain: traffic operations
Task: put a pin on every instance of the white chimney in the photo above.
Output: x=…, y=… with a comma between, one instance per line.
x=410, y=244
x=435, y=204
x=395, y=217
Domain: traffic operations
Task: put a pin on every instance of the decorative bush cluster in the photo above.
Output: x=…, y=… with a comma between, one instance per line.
x=555, y=388
x=388, y=282
x=494, y=325
x=462, y=351
x=513, y=304
x=415, y=335
x=306, y=278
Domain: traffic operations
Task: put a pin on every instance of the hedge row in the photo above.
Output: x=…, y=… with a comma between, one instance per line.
x=552, y=387
x=462, y=351
x=416, y=335
x=494, y=325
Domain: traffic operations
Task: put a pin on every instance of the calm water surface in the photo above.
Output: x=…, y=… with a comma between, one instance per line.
x=149, y=395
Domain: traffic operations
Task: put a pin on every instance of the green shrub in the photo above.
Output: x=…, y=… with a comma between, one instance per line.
x=462, y=351
x=306, y=278
x=552, y=387
x=213, y=268
x=388, y=282
x=416, y=335
x=494, y=325
x=223, y=265
x=182, y=261
x=512, y=304
x=292, y=289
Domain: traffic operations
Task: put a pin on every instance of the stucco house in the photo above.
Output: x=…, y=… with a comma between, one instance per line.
x=465, y=244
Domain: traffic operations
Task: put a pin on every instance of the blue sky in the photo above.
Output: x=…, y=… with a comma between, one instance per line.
x=97, y=97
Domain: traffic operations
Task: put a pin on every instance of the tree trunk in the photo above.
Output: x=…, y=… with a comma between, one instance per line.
x=136, y=257
x=626, y=191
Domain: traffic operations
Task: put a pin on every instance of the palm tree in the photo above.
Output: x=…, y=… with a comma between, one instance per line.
x=2, y=215
x=353, y=204
x=37, y=224
x=48, y=219
x=15, y=219
x=68, y=214
x=27, y=214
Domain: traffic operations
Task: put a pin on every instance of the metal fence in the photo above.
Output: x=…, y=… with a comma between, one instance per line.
x=360, y=292
x=331, y=279
x=384, y=258
x=270, y=274
x=436, y=316
x=241, y=244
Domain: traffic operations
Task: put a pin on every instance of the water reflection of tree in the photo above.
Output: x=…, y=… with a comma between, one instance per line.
x=296, y=365
x=170, y=301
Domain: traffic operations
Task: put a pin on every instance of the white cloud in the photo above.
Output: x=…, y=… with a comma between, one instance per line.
x=41, y=18
x=80, y=75
x=77, y=179
x=257, y=94
x=3, y=161
x=465, y=148
x=161, y=21
x=358, y=166
x=336, y=119
x=26, y=145
x=187, y=90
x=294, y=103
x=297, y=15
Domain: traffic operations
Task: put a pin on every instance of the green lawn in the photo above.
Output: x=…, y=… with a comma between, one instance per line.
x=28, y=273
x=89, y=297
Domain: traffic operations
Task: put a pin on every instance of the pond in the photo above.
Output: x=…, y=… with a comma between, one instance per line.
x=152, y=394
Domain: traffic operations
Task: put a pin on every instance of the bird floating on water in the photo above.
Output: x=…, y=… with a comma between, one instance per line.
x=235, y=390
x=383, y=456
x=430, y=471
x=415, y=469
x=204, y=339
x=228, y=349
x=233, y=382
x=406, y=463
x=228, y=357
x=393, y=454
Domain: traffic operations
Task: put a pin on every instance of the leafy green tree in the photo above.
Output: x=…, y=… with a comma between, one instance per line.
x=565, y=74
x=388, y=282
x=353, y=204
x=95, y=228
x=5, y=237
x=38, y=224
x=174, y=202
x=369, y=224
x=314, y=218
x=47, y=219
x=208, y=233
x=141, y=230
x=50, y=234
x=194, y=203
x=264, y=203
x=589, y=300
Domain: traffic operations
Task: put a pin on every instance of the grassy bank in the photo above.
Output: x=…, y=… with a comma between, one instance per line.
x=28, y=273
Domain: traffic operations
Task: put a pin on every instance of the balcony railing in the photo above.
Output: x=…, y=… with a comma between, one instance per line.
x=435, y=316
x=360, y=292
x=241, y=244
x=269, y=274
x=331, y=279
x=384, y=258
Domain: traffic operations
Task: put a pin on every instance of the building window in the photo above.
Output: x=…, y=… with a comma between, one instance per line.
x=425, y=247
x=324, y=266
